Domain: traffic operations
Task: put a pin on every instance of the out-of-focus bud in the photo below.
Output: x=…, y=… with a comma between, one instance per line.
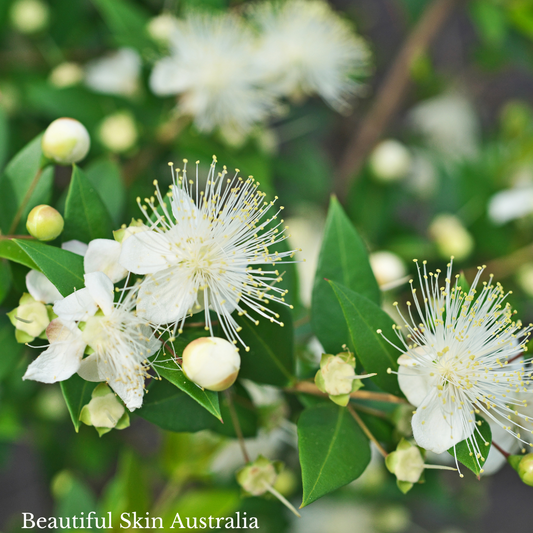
x=104, y=411
x=212, y=363
x=66, y=75
x=524, y=277
x=451, y=237
x=136, y=226
x=162, y=27
x=390, y=161
x=256, y=478
x=337, y=378
x=387, y=267
x=30, y=318
x=118, y=132
x=29, y=16
x=406, y=463
x=523, y=464
x=66, y=141
x=44, y=223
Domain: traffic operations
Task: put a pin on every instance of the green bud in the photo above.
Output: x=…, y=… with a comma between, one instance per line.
x=30, y=318
x=256, y=478
x=337, y=378
x=66, y=141
x=525, y=469
x=44, y=223
x=406, y=463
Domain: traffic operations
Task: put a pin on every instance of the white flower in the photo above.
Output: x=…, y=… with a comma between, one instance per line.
x=212, y=69
x=308, y=49
x=41, y=288
x=460, y=360
x=120, y=341
x=102, y=256
x=118, y=73
x=511, y=204
x=207, y=250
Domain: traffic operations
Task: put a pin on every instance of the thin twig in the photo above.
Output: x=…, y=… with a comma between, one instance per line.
x=501, y=450
x=366, y=431
x=25, y=201
x=391, y=93
x=10, y=237
x=236, y=425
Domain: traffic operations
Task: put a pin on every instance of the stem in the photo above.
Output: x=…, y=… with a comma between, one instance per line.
x=501, y=450
x=10, y=237
x=391, y=93
x=515, y=357
x=281, y=498
x=178, y=360
x=440, y=467
x=236, y=425
x=25, y=201
x=366, y=431
x=310, y=388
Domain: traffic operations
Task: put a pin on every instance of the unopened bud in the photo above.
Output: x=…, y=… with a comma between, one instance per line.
x=66, y=141
x=29, y=16
x=162, y=27
x=390, y=161
x=66, y=75
x=212, y=363
x=30, y=318
x=387, y=267
x=451, y=237
x=44, y=223
x=525, y=469
x=104, y=411
x=256, y=478
x=118, y=132
x=406, y=463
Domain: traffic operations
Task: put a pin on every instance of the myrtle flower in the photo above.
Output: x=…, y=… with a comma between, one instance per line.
x=119, y=341
x=462, y=358
x=206, y=251
x=308, y=49
x=212, y=70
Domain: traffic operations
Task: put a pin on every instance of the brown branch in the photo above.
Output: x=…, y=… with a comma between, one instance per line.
x=391, y=93
x=236, y=425
x=366, y=431
x=9, y=237
x=501, y=450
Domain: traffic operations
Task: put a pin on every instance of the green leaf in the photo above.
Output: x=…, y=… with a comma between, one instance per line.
x=207, y=399
x=86, y=216
x=64, y=269
x=9, y=249
x=73, y=497
x=11, y=349
x=127, y=22
x=465, y=452
x=21, y=184
x=364, y=318
x=104, y=175
x=5, y=279
x=333, y=450
x=77, y=393
x=4, y=137
x=271, y=356
x=343, y=258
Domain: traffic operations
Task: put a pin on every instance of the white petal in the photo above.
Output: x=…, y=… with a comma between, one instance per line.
x=102, y=256
x=165, y=78
x=79, y=305
x=146, y=252
x=62, y=358
x=101, y=290
x=414, y=377
x=438, y=426
x=183, y=206
x=89, y=368
x=41, y=288
x=76, y=247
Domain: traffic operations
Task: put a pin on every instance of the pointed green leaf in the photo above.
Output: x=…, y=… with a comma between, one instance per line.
x=271, y=356
x=333, y=450
x=5, y=279
x=77, y=393
x=364, y=318
x=343, y=258
x=86, y=216
x=466, y=453
x=9, y=249
x=4, y=137
x=64, y=269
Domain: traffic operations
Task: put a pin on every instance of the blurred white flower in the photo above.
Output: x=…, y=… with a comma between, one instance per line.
x=306, y=48
x=511, y=204
x=162, y=27
x=451, y=237
x=450, y=124
x=212, y=69
x=387, y=267
x=118, y=132
x=524, y=277
x=422, y=179
x=66, y=75
x=390, y=161
x=118, y=73
x=29, y=16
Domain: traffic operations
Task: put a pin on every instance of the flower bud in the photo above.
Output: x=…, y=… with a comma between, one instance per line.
x=29, y=16
x=66, y=75
x=30, y=318
x=406, y=463
x=525, y=469
x=451, y=237
x=118, y=132
x=104, y=411
x=162, y=27
x=211, y=362
x=256, y=478
x=390, y=161
x=44, y=223
x=66, y=141
x=387, y=267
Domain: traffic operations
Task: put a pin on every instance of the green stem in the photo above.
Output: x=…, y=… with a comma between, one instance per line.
x=236, y=425
x=281, y=498
x=366, y=431
x=25, y=201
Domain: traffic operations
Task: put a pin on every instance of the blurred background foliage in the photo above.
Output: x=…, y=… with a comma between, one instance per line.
x=454, y=177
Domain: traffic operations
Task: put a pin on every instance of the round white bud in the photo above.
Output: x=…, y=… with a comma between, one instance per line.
x=118, y=132
x=212, y=363
x=387, y=267
x=29, y=16
x=32, y=318
x=451, y=237
x=66, y=75
x=44, y=223
x=162, y=27
x=390, y=161
x=66, y=141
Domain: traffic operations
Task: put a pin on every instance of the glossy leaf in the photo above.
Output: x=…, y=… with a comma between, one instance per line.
x=333, y=450
x=77, y=393
x=4, y=137
x=343, y=258
x=363, y=319
x=9, y=249
x=465, y=452
x=5, y=279
x=86, y=216
x=64, y=269
x=271, y=356
x=11, y=349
